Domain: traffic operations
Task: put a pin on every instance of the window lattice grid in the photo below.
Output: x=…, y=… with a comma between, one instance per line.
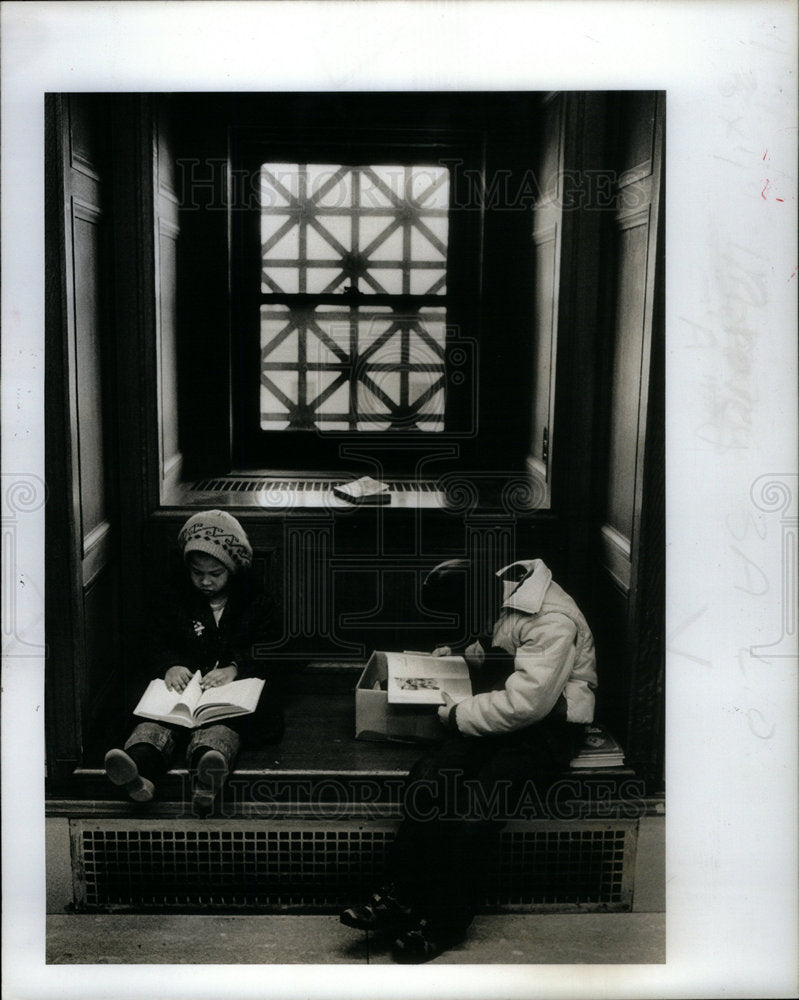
x=352, y=368
x=383, y=229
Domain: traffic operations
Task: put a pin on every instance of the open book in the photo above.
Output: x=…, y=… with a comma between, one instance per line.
x=194, y=707
x=419, y=679
x=365, y=491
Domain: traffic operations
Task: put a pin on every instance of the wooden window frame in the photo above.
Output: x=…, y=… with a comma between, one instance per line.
x=308, y=450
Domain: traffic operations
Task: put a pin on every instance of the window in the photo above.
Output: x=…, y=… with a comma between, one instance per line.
x=378, y=236
x=347, y=290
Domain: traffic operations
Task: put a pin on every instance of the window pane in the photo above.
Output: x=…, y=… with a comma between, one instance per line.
x=379, y=229
x=328, y=228
x=355, y=368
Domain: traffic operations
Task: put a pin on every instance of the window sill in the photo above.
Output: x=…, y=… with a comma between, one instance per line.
x=281, y=494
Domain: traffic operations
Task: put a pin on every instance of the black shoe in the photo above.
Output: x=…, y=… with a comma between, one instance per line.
x=382, y=912
x=122, y=769
x=211, y=773
x=424, y=942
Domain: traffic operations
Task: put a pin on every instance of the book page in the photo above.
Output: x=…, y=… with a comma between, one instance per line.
x=365, y=487
x=191, y=694
x=364, y=490
x=242, y=695
x=158, y=701
x=419, y=679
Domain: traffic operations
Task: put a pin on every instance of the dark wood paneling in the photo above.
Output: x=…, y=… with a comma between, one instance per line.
x=625, y=388
x=547, y=227
x=167, y=231
x=81, y=618
x=637, y=138
x=575, y=435
x=630, y=590
x=63, y=625
x=550, y=160
x=87, y=335
x=647, y=713
x=102, y=678
x=608, y=624
x=166, y=167
x=547, y=246
x=87, y=136
x=340, y=593
x=168, y=382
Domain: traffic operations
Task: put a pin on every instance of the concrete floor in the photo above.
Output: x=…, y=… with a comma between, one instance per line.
x=553, y=939
x=187, y=939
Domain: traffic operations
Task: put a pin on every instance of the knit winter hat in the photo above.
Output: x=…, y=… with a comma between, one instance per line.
x=217, y=534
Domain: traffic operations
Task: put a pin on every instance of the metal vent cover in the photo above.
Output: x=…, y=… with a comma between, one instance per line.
x=318, y=866
x=250, y=484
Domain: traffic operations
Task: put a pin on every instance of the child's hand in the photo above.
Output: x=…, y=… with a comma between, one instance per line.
x=474, y=654
x=176, y=678
x=218, y=676
x=443, y=711
x=442, y=651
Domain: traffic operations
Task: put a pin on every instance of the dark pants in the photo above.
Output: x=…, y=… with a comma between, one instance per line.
x=457, y=799
x=155, y=745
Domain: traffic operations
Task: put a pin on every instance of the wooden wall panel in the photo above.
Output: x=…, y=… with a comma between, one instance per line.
x=86, y=138
x=102, y=675
x=87, y=333
x=546, y=236
x=167, y=231
x=547, y=246
x=625, y=387
x=636, y=179
x=608, y=623
x=168, y=382
x=82, y=570
x=167, y=174
x=636, y=148
x=630, y=591
x=340, y=595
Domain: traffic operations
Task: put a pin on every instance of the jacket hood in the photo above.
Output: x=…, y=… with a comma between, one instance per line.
x=527, y=595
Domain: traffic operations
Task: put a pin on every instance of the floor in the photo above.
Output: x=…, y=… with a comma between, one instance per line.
x=585, y=938
x=606, y=939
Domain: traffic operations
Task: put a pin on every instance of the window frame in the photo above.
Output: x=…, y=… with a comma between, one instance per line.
x=313, y=450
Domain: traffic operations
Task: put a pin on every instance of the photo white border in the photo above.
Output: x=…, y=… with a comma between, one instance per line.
x=729, y=70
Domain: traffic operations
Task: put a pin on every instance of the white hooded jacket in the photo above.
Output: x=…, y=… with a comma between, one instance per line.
x=553, y=652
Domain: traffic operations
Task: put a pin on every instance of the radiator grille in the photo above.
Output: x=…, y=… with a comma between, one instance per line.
x=317, y=866
x=589, y=866
x=251, y=484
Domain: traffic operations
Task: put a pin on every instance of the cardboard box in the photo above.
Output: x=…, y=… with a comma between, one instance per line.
x=377, y=719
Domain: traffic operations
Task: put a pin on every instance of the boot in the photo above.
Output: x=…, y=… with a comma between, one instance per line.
x=211, y=770
x=123, y=770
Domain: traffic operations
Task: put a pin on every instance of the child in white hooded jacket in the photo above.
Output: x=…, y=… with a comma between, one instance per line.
x=534, y=677
x=552, y=649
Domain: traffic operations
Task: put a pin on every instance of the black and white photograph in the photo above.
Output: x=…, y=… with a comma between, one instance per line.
x=255, y=300
x=401, y=545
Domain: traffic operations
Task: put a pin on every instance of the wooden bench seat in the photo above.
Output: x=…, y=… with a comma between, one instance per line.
x=319, y=758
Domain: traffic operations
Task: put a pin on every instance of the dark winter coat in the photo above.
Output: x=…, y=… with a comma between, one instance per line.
x=184, y=632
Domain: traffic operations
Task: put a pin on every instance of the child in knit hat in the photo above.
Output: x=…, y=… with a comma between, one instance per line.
x=210, y=622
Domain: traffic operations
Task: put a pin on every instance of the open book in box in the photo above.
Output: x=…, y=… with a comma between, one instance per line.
x=379, y=718
x=420, y=679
